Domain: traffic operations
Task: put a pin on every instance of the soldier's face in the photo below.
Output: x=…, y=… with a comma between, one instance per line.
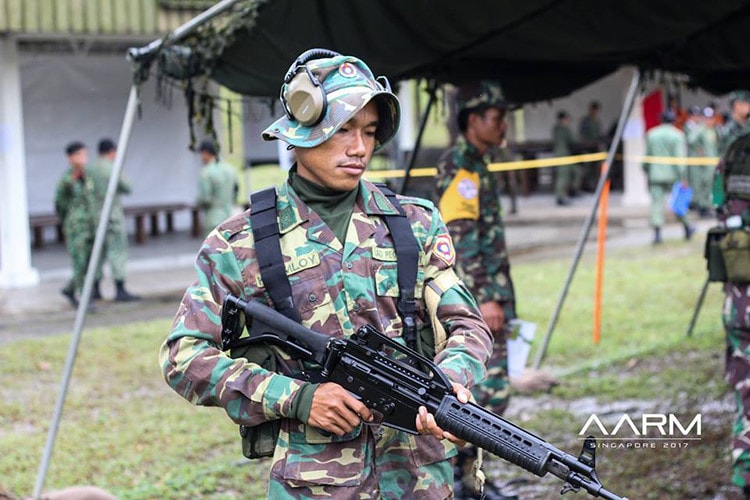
x=79, y=158
x=490, y=127
x=340, y=162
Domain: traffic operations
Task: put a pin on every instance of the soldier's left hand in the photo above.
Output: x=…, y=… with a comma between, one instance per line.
x=426, y=424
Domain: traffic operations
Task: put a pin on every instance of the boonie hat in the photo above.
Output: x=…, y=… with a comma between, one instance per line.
x=483, y=92
x=349, y=85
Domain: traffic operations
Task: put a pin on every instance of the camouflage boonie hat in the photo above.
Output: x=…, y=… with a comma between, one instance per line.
x=349, y=85
x=739, y=95
x=484, y=92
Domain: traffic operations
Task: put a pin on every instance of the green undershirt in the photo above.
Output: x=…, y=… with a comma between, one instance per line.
x=333, y=206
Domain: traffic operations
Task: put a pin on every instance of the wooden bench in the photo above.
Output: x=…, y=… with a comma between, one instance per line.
x=140, y=214
x=152, y=212
x=39, y=222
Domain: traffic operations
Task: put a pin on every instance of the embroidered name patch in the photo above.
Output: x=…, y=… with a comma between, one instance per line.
x=384, y=254
x=302, y=262
x=444, y=249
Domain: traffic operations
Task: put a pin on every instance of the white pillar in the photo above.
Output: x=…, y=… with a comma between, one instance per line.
x=635, y=191
x=407, y=129
x=15, y=250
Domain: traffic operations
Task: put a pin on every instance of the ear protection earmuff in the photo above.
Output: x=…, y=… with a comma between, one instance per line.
x=302, y=95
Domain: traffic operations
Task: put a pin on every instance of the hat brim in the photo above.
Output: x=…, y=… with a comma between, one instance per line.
x=341, y=108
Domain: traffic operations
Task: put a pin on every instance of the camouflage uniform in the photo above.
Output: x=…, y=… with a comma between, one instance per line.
x=116, y=240
x=567, y=177
x=337, y=287
x=74, y=204
x=217, y=189
x=469, y=199
x=736, y=320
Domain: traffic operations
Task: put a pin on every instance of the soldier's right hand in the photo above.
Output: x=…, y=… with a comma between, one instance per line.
x=335, y=410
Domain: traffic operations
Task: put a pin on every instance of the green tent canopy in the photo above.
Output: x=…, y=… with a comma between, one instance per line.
x=538, y=49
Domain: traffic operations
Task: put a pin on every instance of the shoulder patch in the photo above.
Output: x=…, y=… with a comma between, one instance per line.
x=461, y=199
x=444, y=249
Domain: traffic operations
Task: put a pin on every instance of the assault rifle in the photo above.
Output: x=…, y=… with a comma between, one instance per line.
x=394, y=381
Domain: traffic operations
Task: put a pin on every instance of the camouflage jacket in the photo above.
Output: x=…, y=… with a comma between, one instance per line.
x=728, y=132
x=217, y=189
x=100, y=172
x=336, y=289
x=469, y=201
x=75, y=203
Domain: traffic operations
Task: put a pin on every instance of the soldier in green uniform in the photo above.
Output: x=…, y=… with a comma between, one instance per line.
x=732, y=200
x=469, y=200
x=217, y=187
x=341, y=266
x=665, y=140
x=568, y=178
x=115, y=249
x=592, y=140
x=739, y=102
x=702, y=142
x=590, y=127
x=75, y=205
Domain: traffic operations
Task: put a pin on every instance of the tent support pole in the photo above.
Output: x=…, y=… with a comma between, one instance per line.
x=625, y=113
x=133, y=54
x=432, y=91
x=88, y=284
x=138, y=54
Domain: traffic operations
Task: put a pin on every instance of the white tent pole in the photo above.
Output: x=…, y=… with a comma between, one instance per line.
x=626, y=109
x=83, y=303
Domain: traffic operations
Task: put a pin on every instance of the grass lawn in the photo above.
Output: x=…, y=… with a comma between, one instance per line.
x=123, y=429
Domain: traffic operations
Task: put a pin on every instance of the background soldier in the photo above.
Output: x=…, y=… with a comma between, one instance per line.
x=74, y=204
x=469, y=200
x=217, y=187
x=339, y=260
x=568, y=178
x=732, y=198
x=665, y=140
x=737, y=124
x=115, y=249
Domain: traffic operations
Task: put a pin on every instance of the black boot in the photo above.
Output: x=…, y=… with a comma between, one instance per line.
x=70, y=294
x=657, y=236
x=96, y=293
x=122, y=294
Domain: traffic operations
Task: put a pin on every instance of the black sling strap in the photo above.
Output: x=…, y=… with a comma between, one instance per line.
x=268, y=251
x=265, y=227
x=407, y=262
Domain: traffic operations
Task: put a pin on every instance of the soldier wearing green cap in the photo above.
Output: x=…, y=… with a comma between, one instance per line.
x=732, y=201
x=469, y=200
x=339, y=260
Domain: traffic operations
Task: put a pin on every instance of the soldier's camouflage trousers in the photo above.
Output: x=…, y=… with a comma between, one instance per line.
x=79, y=244
x=736, y=318
x=494, y=392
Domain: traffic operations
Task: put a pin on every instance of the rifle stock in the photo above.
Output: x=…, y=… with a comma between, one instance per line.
x=394, y=381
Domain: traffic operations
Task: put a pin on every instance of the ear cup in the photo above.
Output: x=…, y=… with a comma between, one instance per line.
x=302, y=95
x=305, y=100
